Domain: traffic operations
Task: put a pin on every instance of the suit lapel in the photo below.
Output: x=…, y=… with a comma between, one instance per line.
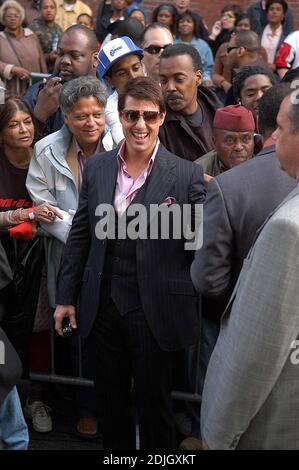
x=161, y=179
x=106, y=179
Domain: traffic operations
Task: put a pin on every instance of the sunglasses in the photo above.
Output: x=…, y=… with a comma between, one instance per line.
x=148, y=116
x=153, y=50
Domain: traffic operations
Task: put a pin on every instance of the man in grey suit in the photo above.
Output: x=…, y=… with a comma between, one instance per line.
x=238, y=202
x=250, y=397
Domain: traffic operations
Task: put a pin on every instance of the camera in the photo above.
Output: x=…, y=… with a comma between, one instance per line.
x=67, y=328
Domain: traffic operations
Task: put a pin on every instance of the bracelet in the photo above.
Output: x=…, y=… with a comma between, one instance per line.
x=31, y=215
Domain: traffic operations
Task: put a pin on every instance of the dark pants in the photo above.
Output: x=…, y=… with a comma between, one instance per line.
x=126, y=349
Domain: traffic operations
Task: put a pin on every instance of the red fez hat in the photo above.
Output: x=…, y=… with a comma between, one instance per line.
x=234, y=118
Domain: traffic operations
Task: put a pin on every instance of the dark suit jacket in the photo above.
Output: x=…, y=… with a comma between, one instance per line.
x=5, y=271
x=237, y=203
x=167, y=295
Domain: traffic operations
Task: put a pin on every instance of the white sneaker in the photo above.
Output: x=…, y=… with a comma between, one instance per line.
x=38, y=412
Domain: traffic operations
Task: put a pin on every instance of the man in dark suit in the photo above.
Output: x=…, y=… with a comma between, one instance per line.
x=237, y=204
x=137, y=298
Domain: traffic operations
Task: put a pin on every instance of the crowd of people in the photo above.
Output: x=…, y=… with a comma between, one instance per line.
x=141, y=110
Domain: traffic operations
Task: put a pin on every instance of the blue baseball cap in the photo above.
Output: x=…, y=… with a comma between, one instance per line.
x=115, y=50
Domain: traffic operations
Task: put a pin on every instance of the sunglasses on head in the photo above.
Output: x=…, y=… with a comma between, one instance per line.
x=152, y=49
x=148, y=116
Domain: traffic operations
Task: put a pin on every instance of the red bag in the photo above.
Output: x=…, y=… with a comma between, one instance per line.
x=22, y=231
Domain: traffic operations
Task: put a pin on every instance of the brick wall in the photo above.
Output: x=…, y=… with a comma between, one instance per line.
x=209, y=9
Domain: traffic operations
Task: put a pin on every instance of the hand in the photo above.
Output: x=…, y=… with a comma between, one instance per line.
x=53, y=56
x=64, y=311
x=46, y=213
x=48, y=99
x=20, y=72
x=207, y=179
x=216, y=30
x=208, y=83
x=42, y=213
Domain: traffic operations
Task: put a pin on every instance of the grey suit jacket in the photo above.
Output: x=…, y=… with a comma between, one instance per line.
x=237, y=203
x=250, y=397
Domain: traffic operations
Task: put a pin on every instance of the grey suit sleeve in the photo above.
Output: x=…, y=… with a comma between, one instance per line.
x=211, y=268
x=254, y=344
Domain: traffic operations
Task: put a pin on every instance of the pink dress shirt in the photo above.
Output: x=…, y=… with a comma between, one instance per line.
x=126, y=188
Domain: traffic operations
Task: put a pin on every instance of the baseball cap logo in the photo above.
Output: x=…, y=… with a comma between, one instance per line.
x=115, y=49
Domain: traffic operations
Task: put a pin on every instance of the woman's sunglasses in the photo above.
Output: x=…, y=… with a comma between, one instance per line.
x=148, y=116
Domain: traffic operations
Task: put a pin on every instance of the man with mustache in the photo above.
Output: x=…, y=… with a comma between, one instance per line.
x=77, y=56
x=187, y=129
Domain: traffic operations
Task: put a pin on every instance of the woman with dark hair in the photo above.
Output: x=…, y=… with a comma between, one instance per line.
x=25, y=255
x=137, y=13
x=187, y=28
x=166, y=14
x=223, y=28
x=273, y=35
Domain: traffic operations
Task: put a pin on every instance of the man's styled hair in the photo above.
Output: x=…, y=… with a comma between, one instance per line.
x=89, y=33
x=183, y=49
x=249, y=40
x=153, y=26
x=82, y=87
x=142, y=89
x=246, y=72
x=269, y=105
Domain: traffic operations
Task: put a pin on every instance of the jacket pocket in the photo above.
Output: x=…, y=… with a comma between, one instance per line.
x=180, y=287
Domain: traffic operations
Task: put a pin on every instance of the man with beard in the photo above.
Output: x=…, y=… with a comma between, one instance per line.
x=77, y=56
x=187, y=129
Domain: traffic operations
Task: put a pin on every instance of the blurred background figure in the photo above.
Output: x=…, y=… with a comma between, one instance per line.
x=223, y=28
x=108, y=14
x=186, y=32
x=32, y=10
x=166, y=14
x=273, y=34
x=68, y=12
x=137, y=13
x=258, y=18
x=156, y=38
x=47, y=31
x=20, y=50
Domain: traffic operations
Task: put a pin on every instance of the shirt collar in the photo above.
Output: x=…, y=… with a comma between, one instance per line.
x=80, y=152
x=121, y=156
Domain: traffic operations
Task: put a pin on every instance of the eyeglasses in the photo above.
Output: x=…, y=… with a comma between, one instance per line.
x=131, y=115
x=231, y=48
x=153, y=50
x=12, y=17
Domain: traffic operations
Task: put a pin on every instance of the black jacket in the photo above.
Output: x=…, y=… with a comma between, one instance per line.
x=179, y=138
